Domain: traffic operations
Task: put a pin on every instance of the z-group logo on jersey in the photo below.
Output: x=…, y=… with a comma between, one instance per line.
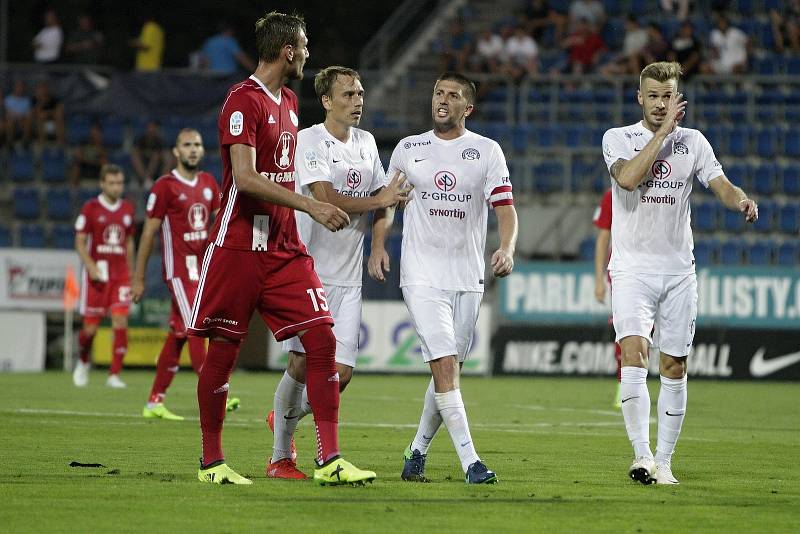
x=445, y=181
x=470, y=154
x=284, y=151
x=353, y=178
x=680, y=148
x=661, y=169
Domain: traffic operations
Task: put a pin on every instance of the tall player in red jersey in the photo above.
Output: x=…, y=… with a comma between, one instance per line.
x=181, y=205
x=602, y=250
x=104, y=241
x=256, y=261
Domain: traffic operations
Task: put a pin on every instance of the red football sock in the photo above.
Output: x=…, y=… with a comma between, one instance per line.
x=322, y=384
x=120, y=349
x=84, y=345
x=197, y=352
x=212, y=393
x=166, y=367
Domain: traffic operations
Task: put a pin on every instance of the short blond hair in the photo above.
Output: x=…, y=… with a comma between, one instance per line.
x=661, y=71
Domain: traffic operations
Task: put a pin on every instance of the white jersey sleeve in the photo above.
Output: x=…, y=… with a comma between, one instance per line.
x=615, y=147
x=497, y=190
x=707, y=167
x=398, y=161
x=314, y=166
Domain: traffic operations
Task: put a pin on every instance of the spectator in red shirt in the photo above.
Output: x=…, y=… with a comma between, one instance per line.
x=585, y=46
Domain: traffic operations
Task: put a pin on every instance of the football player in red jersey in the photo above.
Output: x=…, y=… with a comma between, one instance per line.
x=181, y=205
x=256, y=261
x=104, y=241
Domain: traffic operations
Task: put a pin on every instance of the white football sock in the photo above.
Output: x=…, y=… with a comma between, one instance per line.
x=451, y=409
x=288, y=395
x=636, y=409
x=305, y=406
x=671, y=410
x=429, y=422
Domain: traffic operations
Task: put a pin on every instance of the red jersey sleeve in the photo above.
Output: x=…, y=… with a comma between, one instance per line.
x=602, y=215
x=158, y=202
x=239, y=118
x=83, y=224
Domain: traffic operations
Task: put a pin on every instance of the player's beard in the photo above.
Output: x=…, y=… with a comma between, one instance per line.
x=189, y=166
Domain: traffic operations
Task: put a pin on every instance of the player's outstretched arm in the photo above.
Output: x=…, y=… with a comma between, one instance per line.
x=503, y=257
x=395, y=192
x=630, y=173
x=249, y=182
x=82, y=249
x=734, y=198
x=378, y=262
x=151, y=226
x=600, y=260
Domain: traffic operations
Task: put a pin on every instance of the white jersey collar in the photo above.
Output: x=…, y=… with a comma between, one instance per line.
x=190, y=183
x=276, y=99
x=107, y=205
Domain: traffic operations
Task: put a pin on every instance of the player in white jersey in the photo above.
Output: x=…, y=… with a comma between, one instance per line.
x=339, y=164
x=456, y=174
x=652, y=165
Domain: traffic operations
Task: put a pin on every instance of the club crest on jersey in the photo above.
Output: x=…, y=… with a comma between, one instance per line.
x=207, y=194
x=680, y=148
x=236, y=123
x=470, y=154
x=661, y=169
x=112, y=240
x=284, y=151
x=353, y=178
x=293, y=117
x=198, y=216
x=445, y=181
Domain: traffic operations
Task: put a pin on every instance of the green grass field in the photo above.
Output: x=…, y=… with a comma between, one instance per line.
x=559, y=448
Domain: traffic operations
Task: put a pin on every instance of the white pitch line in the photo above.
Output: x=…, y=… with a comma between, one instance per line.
x=562, y=409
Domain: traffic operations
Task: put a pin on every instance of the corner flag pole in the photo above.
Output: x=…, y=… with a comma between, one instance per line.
x=71, y=292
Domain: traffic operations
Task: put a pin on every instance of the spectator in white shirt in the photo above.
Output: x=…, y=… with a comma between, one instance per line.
x=592, y=11
x=627, y=61
x=490, y=52
x=47, y=43
x=522, y=54
x=728, y=47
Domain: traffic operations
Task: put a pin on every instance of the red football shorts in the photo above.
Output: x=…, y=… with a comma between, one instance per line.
x=283, y=287
x=100, y=298
x=182, y=299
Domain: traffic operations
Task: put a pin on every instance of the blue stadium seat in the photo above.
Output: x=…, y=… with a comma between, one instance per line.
x=547, y=136
x=732, y=221
x=766, y=65
x=739, y=141
x=123, y=159
x=789, y=253
x=731, y=252
x=85, y=194
x=766, y=217
x=738, y=174
x=113, y=131
x=519, y=138
x=791, y=143
x=5, y=237
x=20, y=165
x=767, y=142
x=790, y=179
x=586, y=250
x=213, y=163
x=705, y=216
x=59, y=204
x=32, y=236
x=760, y=253
x=789, y=219
x=63, y=236
x=26, y=203
x=208, y=129
x=765, y=179
x=705, y=252
x=548, y=177
x=78, y=127
x=54, y=166
x=577, y=136
x=717, y=138
x=793, y=65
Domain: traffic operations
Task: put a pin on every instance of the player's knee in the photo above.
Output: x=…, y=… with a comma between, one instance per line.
x=296, y=366
x=119, y=320
x=90, y=325
x=671, y=367
x=345, y=375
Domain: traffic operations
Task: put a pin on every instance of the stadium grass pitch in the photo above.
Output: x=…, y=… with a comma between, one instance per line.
x=559, y=449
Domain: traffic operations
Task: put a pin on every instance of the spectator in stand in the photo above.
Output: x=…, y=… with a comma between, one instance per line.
x=149, y=46
x=679, y=7
x=786, y=26
x=89, y=157
x=657, y=48
x=540, y=17
x=728, y=49
x=456, y=48
x=522, y=54
x=585, y=47
x=591, y=11
x=148, y=155
x=48, y=115
x=18, y=114
x=85, y=45
x=685, y=49
x=627, y=61
x=223, y=55
x=490, y=53
x=47, y=43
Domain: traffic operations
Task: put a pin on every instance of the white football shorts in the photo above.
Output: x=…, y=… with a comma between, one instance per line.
x=640, y=302
x=345, y=306
x=444, y=320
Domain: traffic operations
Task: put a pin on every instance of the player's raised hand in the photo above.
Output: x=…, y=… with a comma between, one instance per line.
x=329, y=216
x=137, y=289
x=502, y=263
x=750, y=210
x=377, y=264
x=396, y=192
x=676, y=109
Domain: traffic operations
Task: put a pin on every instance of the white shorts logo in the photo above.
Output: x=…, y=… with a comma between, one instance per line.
x=151, y=202
x=236, y=123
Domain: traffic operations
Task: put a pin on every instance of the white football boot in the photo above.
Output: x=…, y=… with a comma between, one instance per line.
x=114, y=381
x=664, y=474
x=80, y=375
x=643, y=469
